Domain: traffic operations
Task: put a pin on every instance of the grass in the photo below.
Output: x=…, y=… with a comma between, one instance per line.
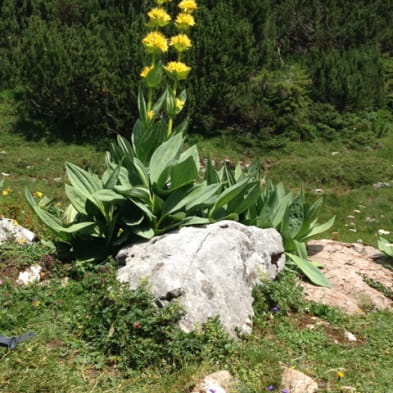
x=63, y=357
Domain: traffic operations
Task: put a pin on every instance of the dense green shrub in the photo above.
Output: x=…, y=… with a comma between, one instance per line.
x=273, y=106
x=78, y=80
x=349, y=79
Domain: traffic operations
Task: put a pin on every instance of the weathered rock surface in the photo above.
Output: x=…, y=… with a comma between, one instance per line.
x=345, y=264
x=211, y=269
x=218, y=382
x=11, y=231
x=295, y=381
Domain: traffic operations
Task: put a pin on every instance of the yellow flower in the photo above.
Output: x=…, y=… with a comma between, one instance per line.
x=150, y=115
x=187, y=6
x=184, y=21
x=155, y=42
x=5, y=192
x=177, y=70
x=38, y=194
x=180, y=42
x=16, y=223
x=340, y=374
x=145, y=71
x=20, y=240
x=179, y=105
x=158, y=17
x=161, y=2
x=35, y=303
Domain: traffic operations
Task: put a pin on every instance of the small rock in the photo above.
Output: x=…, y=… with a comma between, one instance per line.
x=30, y=275
x=357, y=211
x=11, y=231
x=350, y=336
x=318, y=191
x=381, y=184
x=218, y=382
x=370, y=219
x=383, y=232
x=296, y=382
x=334, y=153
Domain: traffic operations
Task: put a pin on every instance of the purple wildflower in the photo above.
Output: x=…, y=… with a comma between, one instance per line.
x=212, y=390
x=284, y=391
x=270, y=388
x=275, y=309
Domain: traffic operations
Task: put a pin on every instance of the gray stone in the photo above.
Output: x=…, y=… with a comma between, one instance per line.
x=210, y=269
x=295, y=381
x=11, y=231
x=219, y=382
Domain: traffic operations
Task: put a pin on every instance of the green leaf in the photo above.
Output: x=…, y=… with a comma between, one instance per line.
x=316, y=230
x=183, y=173
x=385, y=246
x=163, y=157
x=211, y=175
x=107, y=196
x=82, y=180
x=310, y=271
x=227, y=195
x=77, y=198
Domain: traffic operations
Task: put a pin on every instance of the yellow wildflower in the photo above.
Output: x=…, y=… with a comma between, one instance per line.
x=340, y=374
x=177, y=70
x=35, y=303
x=38, y=194
x=180, y=42
x=16, y=223
x=161, y=2
x=21, y=240
x=158, y=17
x=184, y=21
x=58, y=204
x=179, y=105
x=187, y=6
x=155, y=42
x=5, y=192
x=150, y=115
x=145, y=71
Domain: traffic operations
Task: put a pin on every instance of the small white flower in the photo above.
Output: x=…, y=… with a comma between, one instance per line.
x=383, y=232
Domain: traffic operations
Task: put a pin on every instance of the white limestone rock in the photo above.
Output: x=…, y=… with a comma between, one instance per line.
x=211, y=269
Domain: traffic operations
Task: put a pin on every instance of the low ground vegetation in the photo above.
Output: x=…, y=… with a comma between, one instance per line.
x=76, y=349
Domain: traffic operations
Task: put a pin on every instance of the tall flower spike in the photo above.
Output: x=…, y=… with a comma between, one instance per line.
x=155, y=42
x=158, y=17
x=188, y=6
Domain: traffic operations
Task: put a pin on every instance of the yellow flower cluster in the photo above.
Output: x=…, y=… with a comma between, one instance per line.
x=180, y=42
x=177, y=70
x=38, y=194
x=6, y=191
x=187, y=6
x=179, y=105
x=145, y=71
x=184, y=21
x=155, y=42
x=158, y=17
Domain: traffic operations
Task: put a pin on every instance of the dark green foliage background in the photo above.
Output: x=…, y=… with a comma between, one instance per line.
x=258, y=67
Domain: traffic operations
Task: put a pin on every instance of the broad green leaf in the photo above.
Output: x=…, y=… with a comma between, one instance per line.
x=183, y=173
x=310, y=271
x=107, y=196
x=82, y=180
x=164, y=156
x=194, y=220
x=385, y=246
x=78, y=199
x=211, y=175
x=141, y=193
x=249, y=198
x=319, y=229
x=227, y=195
